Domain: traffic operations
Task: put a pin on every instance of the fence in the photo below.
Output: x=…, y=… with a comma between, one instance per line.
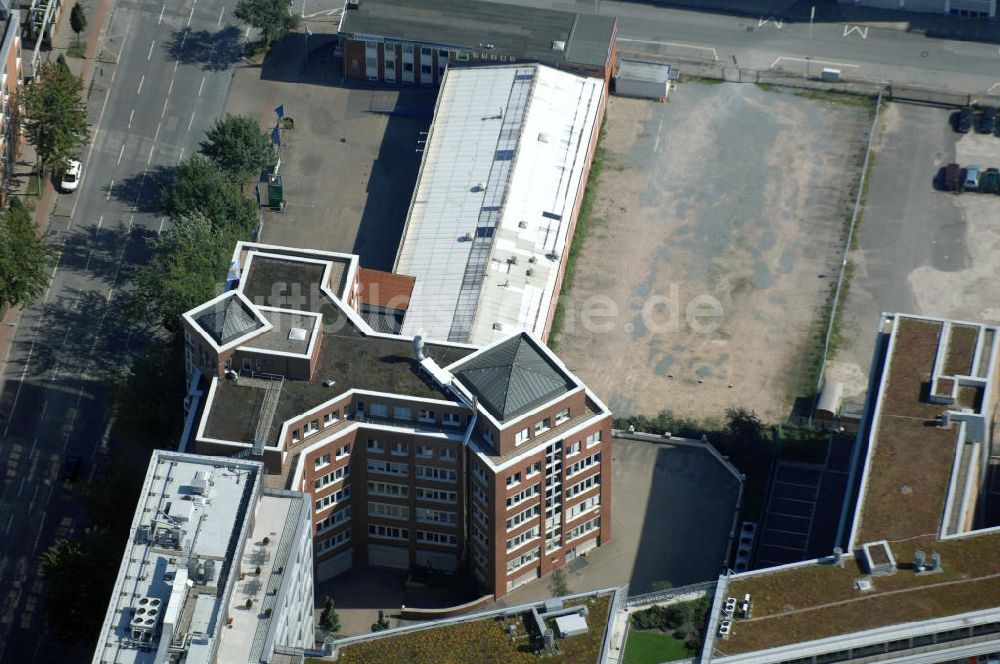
x=668, y=594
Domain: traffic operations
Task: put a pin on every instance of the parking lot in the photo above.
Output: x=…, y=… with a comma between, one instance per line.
x=350, y=163
x=730, y=193
x=920, y=250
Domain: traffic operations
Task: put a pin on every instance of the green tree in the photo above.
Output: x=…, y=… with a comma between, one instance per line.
x=77, y=570
x=329, y=621
x=271, y=17
x=190, y=264
x=55, y=115
x=198, y=189
x=238, y=147
x=78, y=20
x=24, y=255
x=744, y=428
x=660, y=585
x=558, y=584
x=381, y=624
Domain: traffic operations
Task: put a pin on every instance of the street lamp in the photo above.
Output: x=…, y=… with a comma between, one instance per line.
x=812, y=15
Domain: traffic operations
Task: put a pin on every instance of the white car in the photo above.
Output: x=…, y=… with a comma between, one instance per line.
x=71, y=177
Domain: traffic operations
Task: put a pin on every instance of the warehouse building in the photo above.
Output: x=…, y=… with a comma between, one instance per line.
x=497, y=197
x=401, y=41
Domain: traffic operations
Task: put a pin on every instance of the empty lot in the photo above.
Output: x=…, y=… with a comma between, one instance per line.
x=732, y=194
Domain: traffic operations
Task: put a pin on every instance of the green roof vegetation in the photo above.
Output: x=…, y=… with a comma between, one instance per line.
x=653, y=648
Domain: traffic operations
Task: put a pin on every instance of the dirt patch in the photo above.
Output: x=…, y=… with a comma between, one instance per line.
x=728, y=194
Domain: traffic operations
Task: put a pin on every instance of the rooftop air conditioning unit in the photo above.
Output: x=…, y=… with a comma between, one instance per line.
x=559, y=46
x=529, y=272
x=498, y=326
x=522, y=224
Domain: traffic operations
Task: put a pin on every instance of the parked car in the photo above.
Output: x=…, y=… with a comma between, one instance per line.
x=951, y=177
x=963, y=120
x=71, y=468
x=988, y=120
x=971, y=180
x=71, y=176
x=990, y=181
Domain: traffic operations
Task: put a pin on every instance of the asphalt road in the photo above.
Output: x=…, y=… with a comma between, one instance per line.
x=147, y=112
x=765, y=42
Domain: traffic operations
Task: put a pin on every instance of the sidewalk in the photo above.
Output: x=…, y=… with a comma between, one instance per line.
x=62, y=38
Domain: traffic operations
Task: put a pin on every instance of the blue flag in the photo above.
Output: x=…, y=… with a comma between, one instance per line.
x=280, y=111
x=276, y=136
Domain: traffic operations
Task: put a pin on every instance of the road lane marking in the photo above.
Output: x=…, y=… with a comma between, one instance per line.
x=100, y=220
x=130, y=114
x=201, y=86
x=130, y=220
x=822, y=62
x=221, y=11
x=993, y=88
x=150, y=55
x=171, y=88
x=181, y=158
x=191, y=121
x=191, y=14
x=160, y=20
x=21, y=488
x=715, y=54
x=150, y=158
x=164, y=111
x=110, y=188
x=120, y=153
x=86, y=268
x=764, y=20
x=93, y=141
x=141, y=81
x=863, y=31
x=160, y=230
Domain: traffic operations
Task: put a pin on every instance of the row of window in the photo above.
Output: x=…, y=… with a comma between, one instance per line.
x=330, y=478
x=583, y=464
x=388, y=532
x=388, y=468
x=425, y=515
x=402, y=449
x=580, y=487
x=437, y=474
x=334, y=520
x=324, y=460
x=389, y=511
x=523, y=559
x=406, y=413
x=480, y=515
x=541, y=427
x=583, y=507
x=584, y=528
x=333, y=498
x=522, y=538
x=521, y=517
x=430, y=537
x=524, y=494
x=335, y=541
x=312, y=426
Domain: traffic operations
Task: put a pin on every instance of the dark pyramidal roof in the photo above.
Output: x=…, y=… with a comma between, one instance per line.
x=512, y=378
x=227, y=320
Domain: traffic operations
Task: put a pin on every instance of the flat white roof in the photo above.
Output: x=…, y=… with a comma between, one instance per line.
x=495, y=196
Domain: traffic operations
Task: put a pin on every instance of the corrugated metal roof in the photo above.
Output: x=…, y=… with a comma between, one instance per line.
x=512, y=377
x=639, y=70
x=490, y=216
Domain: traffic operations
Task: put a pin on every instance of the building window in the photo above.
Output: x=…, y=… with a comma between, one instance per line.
x=488, y=435
x=388, y=532
x=573, y=449
x=587, y=505
x=593, y=439
x=375, y=445
x=437, y=474
x=520, y=540
x=330, y=478
x=448, y=454
x=562, y=416
x=480, y=515
x=425, y=452
x=479, y=536
x=389, y=511
x=582, y=465
x=407, y=66
x=402, y=413
x=580, y=487
x=426, y=415
x=479, y=474
x=334, y=520
x=333, y=498
x=534, y=469
x=426, y=515
x=451, y=419
x=425, y=51
x=583, y=529
x=312, y=428
x=524, y=559
x=330, y=418
x=428, y=537
x=425, y=69
x=388, y=468
x=543, y=426
x=519, y=518
x=321, y=461
x=514, y=479
x=481, y=495
x=379, y=410
x=387, y=489
x=443, y=54
x=521, y=436
x=400, y=449
x=436, y=495
x=523, y=495
x=343, y=451
x=336, y=540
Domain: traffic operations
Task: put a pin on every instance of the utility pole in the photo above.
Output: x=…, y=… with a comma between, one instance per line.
x=812, y=15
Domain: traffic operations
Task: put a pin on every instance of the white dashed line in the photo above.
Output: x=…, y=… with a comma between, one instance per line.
x=141, y=81
x=201, y=86
x=221, y=12
x=190, y=15
x=110, y=187
x=191, y=121
x=130, y=114
x=150, y=55
x=120, y=153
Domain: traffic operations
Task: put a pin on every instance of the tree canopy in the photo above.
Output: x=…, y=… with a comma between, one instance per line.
x=78, y=20
x=238, y=147
x=271, y=17
x=199, y=189
x=24, y=257
x=55, y=115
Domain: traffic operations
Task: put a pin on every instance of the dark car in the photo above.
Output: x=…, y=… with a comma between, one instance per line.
x=989, y=182
x=71, y=468
x=963, y=120
x=951, y=177
x=988, y=120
